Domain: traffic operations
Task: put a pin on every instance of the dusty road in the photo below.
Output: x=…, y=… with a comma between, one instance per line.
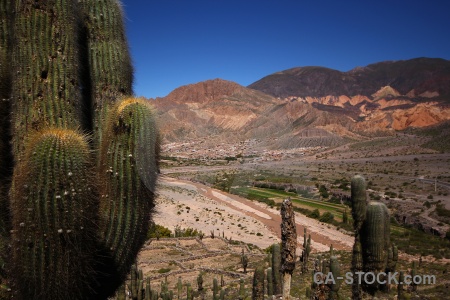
x=189, y=204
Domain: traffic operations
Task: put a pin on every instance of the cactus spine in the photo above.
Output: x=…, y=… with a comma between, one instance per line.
x=126, y=204
x=288, y=245
x=110, y=69
x=54, y=223
x=45, y=64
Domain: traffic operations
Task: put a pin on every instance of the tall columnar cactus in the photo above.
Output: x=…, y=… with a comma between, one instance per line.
x=305, y=252
x=200, y=282
x=372, y=237
x=54, y=216
x=392, y=258
x=375, y=240
x=357, y=266
x=358, y=200
x=288, y=245
x=84, y=153
x=269, y=282
x=189, y=292
x=400, y=292
x=179, y=288
x=244, y=261
x=359, y=203
x=334, y=287
x=242, y=291
x=215, y=289
x=413, y=275
x=258, y=284
x=276, y=269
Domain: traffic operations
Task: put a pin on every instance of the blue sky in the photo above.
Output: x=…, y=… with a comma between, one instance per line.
x=179, y=42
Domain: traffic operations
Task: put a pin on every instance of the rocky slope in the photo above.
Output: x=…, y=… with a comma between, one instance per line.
x=219, y=110
x=310, y=106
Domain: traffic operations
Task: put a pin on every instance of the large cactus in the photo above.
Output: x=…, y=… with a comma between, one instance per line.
x=375, y=238
x=372, y=236
x=84, y=152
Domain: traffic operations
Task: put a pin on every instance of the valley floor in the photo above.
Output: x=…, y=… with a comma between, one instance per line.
x=187, y=204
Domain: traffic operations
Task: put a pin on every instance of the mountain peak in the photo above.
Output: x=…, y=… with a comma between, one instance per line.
x=423, y=75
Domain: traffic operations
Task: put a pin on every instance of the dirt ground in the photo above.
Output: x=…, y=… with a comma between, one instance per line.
x=187, y=204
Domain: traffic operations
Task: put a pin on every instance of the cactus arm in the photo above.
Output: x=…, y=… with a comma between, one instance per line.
x=128, y=171
x=110, y=69
x=359, y=200
x=45, y=88
x=54, y=224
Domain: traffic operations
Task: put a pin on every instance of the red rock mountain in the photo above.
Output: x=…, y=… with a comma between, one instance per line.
x=223, y=111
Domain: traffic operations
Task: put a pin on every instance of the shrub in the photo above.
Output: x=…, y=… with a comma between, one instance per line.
x=158, y=231
x=327, y=217
x=314, y=214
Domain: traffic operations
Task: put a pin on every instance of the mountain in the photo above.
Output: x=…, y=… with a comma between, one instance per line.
x=220, y=111
x=211, y=108
x=310, y=106
x=415, y=77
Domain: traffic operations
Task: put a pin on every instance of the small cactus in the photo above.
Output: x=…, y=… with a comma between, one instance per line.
x=200, y=282
x=215, y=289
x=242, y=291
x=276, y=269
x=413, y=274
x=335, y=269
x=244, y=261
x=400, y=292
x=179, y=287
x=269, y=282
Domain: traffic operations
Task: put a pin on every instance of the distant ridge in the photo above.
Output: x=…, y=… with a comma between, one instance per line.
x=418, y=76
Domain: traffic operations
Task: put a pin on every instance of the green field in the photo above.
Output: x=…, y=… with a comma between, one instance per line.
x=262, y=194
